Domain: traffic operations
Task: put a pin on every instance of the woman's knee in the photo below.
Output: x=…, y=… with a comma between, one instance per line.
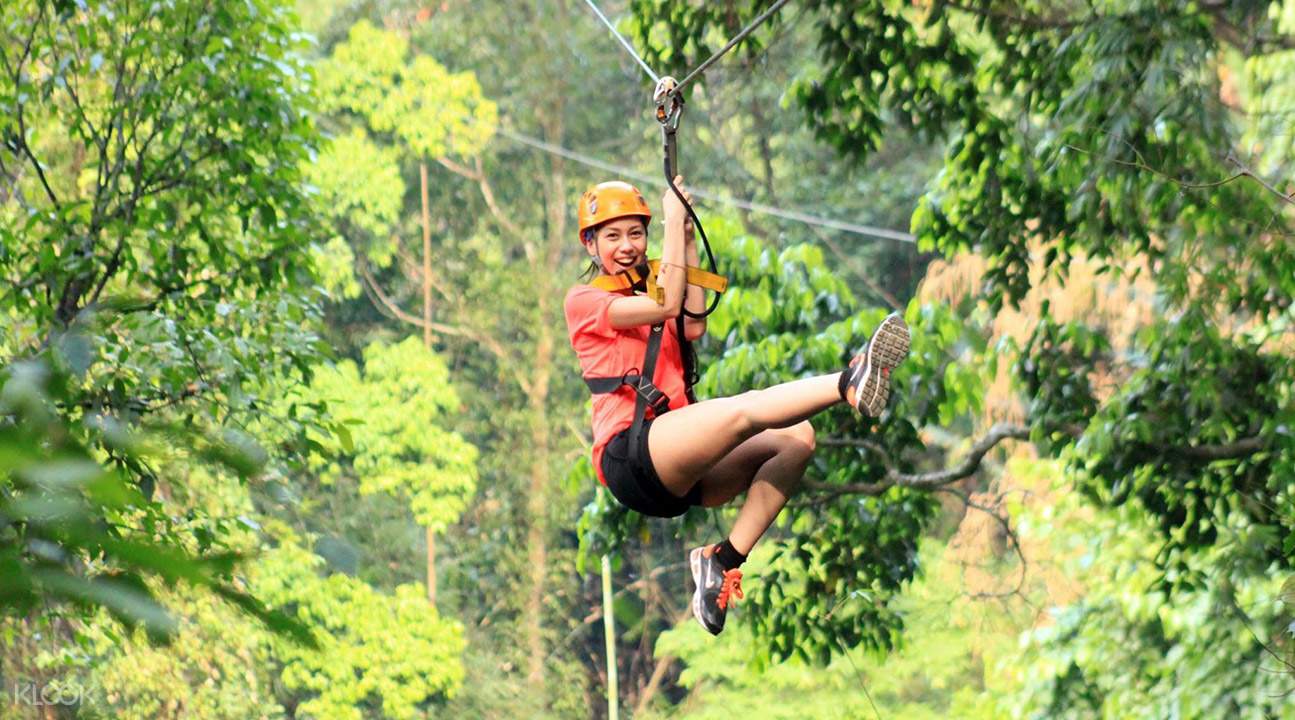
x=797, y=440
x=803, y=433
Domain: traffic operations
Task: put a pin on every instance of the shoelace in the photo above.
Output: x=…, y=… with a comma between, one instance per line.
x=732, y=587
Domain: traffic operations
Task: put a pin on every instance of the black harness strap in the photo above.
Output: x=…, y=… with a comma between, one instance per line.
x=645, y=391
x=641, y=403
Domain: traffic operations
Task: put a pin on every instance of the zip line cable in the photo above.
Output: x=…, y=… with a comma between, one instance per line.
x=843, y=226
x=628, y=47
x=858, y=229
x=736, y=39
x=700, y=68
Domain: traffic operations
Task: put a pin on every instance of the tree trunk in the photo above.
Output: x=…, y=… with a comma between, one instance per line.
x=427, y=342
x=537, y=505
x=542, y=368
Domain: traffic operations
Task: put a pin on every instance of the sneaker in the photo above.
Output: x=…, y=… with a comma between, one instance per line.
x=868, y=388
x=717, y=588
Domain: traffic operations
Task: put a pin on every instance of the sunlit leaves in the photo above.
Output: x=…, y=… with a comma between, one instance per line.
x=393, y=418
x=428, y=109
x=393, y=649
x=360, y=190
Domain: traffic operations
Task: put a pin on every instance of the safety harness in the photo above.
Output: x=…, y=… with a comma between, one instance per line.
x=642, y=278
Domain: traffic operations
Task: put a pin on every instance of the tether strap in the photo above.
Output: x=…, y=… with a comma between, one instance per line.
x=646, y=393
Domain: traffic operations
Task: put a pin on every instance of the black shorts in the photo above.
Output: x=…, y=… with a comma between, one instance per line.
x=636, y=485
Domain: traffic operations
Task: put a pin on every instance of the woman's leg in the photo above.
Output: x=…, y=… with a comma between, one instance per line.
x=767, y=467
x=685, y=444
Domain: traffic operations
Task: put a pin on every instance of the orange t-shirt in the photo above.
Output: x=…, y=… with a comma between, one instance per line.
x=604, y=351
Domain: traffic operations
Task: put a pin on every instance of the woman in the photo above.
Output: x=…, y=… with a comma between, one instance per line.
x=704, y=453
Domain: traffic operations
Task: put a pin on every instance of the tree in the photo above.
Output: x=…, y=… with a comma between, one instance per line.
x=1100, y=131
x=152, y=226
x=394, y=441
x=385, y=655
x=431, y=114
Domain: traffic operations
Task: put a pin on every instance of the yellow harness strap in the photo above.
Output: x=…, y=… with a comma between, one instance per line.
x=635, y=279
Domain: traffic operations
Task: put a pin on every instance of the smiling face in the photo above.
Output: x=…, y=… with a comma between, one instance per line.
x=619, y=244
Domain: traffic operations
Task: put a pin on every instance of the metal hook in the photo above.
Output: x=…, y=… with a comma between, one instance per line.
x=669, y=104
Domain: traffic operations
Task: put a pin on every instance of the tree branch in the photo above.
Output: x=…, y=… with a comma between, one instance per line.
x=1031, y=22
x=918, y=481
x=478, y=175
x=383, y=302
x=1007, y=530
x=1240, y=37
x=937, y=480
x=1228, y=451
x=1242, y=172
x=16, y=71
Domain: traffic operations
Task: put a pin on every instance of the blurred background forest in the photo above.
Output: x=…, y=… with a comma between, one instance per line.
x=290, y=427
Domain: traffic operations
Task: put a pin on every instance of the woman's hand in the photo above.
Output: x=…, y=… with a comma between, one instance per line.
x=674, y=208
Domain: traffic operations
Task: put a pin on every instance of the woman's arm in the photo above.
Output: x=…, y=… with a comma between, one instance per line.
x=630, y=312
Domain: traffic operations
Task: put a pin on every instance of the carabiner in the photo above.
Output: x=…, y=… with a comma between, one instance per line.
x=669, y=105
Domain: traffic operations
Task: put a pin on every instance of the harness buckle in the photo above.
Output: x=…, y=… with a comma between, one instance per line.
x=644, y=388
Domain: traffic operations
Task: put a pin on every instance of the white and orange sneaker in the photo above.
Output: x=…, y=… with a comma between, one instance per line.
x=868, y=387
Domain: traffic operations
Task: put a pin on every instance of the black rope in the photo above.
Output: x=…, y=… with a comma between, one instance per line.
x=710, y=255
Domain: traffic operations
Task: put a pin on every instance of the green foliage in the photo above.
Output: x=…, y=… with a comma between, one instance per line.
x=384, y=655
x=430, y=110
x=1129, y=648
x=154, y=161
x=1125, y=453
x=390, y=430
x=359, y=189
x=389, y=105
x=65, y=518
x=218, y=667
x=1268, y=97
x=1107, y=131
x=154, y=229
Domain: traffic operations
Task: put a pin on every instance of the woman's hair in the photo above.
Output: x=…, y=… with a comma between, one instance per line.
x=588, y=236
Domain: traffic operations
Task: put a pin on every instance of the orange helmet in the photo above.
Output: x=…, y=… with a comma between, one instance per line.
x=608, y=201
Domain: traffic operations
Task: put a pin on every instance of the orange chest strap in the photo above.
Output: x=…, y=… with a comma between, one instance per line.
x=643, y=278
